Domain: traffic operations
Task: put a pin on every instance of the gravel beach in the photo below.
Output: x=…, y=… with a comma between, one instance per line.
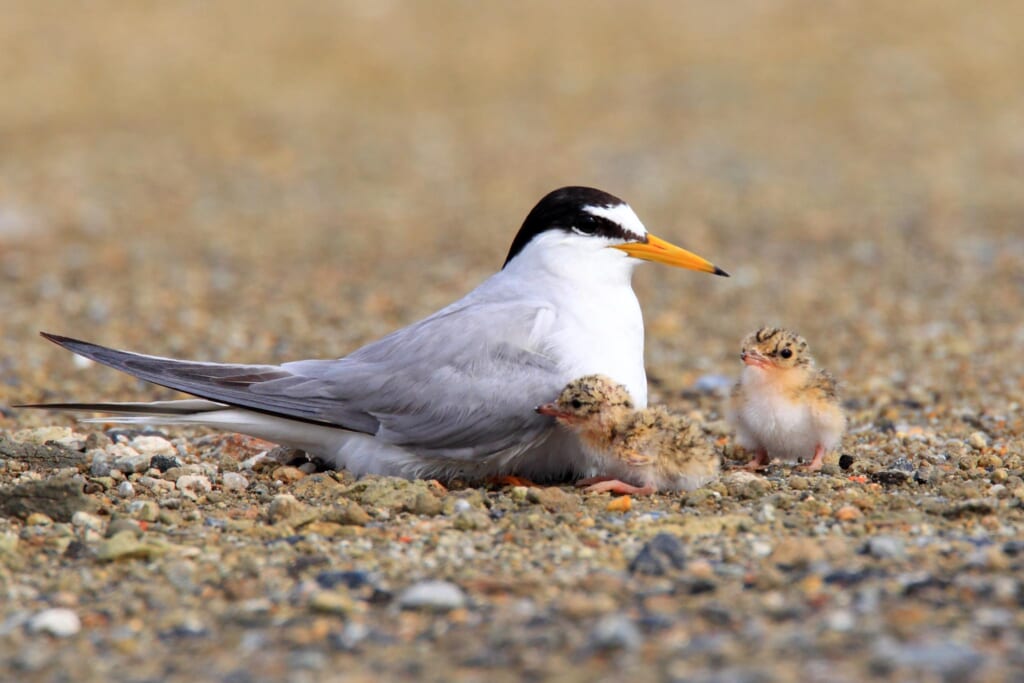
x=267, y=182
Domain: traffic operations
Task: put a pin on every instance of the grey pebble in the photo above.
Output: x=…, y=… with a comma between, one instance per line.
x=947, y=658
x=659, y=555
x=885, y=547
x=616, y=632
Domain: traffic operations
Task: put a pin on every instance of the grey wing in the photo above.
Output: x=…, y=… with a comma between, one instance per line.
x=461, y=383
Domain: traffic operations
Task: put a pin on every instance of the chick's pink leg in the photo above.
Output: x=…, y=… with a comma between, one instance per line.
x=759, y=462
x=816, y=462
x=616, y=486
x=592, y=480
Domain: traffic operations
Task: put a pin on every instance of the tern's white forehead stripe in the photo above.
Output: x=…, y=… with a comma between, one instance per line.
x=622, y=214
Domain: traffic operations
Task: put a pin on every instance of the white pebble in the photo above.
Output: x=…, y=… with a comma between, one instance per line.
x=85, y=520
x=194, y=483
x=58, y=621
x=233, y=481
x=153, y=445
x=125, y=489
x=432, y=595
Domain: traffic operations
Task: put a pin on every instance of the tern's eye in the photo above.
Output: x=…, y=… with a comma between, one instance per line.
x=786, y=353
x=577, y=404
x=585, y=225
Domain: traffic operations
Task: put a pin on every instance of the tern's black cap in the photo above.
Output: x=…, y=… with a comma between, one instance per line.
x=562, y=209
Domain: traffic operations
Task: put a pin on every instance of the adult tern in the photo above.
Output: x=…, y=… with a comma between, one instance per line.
x=453, y=395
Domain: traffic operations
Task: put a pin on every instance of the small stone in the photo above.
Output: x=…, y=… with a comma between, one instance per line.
x=285, y=506
x=144, y=510
x=234, y=481
x=662, y=553
x=38, y=519
x=153, y=445
x=164, y=462
x=619, y=504
x=331, y=602
x=426, y=503
x=616, y=632
x=346, y=512
x=42, y=435
x=552, y=498
x=85, y=520
x=194, y=484
x=57, y=621
x=978, y=440
x=128, y=460
x=288, y=474
x=126, y=545
x=120, y=524
x=434, y=596
x=125, y=489
x=471, y=520
x=848, y=513
x=100, y=465
x=885, y=548
x=519, y=493
x=845, y=461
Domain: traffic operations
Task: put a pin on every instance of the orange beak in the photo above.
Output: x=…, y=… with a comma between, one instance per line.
x=658, y=250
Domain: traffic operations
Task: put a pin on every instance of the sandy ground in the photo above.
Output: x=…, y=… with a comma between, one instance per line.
x=256, y=182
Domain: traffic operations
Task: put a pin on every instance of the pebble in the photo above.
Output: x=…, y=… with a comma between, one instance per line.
x=432, y=596
x=85, y=520
x=615, y=632
x=128, y=460
x=885, y=548
x=194, y=484
x=234, y=481
x=164, y=462
x=57, y=621
x=659, y=555
x=284, y=507
x=125, y=489
x=552, y=498
x=978, y=440
x=153, y=446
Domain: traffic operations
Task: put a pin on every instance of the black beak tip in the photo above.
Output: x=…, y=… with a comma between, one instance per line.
x=719, y=271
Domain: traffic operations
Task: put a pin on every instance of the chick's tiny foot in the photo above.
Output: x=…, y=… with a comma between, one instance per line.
x=816, y=462
x=760, y=462
x=616, y=486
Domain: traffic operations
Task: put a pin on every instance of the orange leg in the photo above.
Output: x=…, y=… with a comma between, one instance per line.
x=616, y=486
x=759, y=462
x=815, y=464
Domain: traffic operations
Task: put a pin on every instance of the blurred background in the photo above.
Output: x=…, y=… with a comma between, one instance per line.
x=263, y=181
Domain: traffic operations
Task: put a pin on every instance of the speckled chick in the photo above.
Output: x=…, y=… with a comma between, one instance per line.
x=640, y=451
x=783, y=406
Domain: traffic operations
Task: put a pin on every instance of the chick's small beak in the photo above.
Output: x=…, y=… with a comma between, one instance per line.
x=754, y=359
x=550, y=409
x=658, y=250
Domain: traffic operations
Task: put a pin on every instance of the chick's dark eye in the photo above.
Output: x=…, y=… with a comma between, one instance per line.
x=786, y=353
x=577, y=404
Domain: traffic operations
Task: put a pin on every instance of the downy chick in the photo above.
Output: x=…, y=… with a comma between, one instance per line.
x=783, y=406
x=641, y=451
